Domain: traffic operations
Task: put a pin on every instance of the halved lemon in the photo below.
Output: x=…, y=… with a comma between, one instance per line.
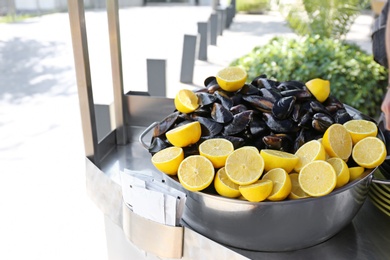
x=168, y=159
x=282, y=184
x=308, y=152
x=186, y=101
x=224, y=186
x=337, y=141
x=360, y=128
x=278, y=159
x=257, y=191
x=184, y=135
x=231, y=78
x=369, y=152
x=196, y=173
x=216, y=150
x=355, y=172
x=244, y=165
x=342, y=171
x=317, y=178
x=319, y=88
x=296, y=190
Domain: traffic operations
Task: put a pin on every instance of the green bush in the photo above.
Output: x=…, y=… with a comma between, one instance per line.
x=328, y=18
x=356, y=79
x=251, y=5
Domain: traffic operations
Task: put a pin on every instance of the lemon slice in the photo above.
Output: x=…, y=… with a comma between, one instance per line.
x=196, y=173
x=296, y=190
x=360, y=128
x=216, y=150
x=369, y=152
x=337, y=141
x=257, y=191
x=308, y=152
x=186, y=101
x=184, y=135
x=244, y=165
x=319, y=88
x=231, y=78
x=355, y=172
x=224, y=186
x=342, y=171
x=317, y=178
x=282, y=184
x=278, y=159
x=168, y=159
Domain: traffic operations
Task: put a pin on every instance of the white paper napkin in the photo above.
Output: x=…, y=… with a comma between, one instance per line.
x=152, y=199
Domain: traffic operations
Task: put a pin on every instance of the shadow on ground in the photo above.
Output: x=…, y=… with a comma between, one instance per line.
x=30, y=67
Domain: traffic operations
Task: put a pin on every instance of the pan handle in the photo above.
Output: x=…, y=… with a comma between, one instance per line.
x=145, y=132
x=378, y=181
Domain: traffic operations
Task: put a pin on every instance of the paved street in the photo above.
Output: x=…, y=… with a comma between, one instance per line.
x=46, y=213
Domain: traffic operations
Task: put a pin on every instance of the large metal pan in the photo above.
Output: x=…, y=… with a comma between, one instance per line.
x=273, y=226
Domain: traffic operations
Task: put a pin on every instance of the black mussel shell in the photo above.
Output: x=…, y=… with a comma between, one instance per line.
x=270, y=93
x=259, y=102
x=306, y=120
x=221, y=114
x=205, y=99
x=249, y=89
x=321, y=122
x=258, y=127
x=158, y=144
x=211, y=84
x=201, y=111
x=238, y=109
x=236, y=141
x=283, y=107
x=224, y=99
x=300, y=94
x=212, y=80
x=289, y=85
x=342, y=116
x=280, y=126
x=239, y=123
x=209, y=127
x=163, y=126
x=318, y=107
x=191, y=150
x=282, y=142
x=258, y=81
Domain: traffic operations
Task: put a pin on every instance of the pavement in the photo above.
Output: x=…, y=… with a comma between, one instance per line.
x=46, y=213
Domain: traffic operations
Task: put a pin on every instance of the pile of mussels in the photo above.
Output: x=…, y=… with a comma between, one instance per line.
x=265, y=114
